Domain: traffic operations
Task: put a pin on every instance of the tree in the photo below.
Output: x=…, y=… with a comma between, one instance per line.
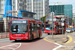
x=43, y=18
x=72, y=21
x=1, y=17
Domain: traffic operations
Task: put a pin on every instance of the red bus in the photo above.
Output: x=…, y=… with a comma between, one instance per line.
x=57, y=25
x=24, y=29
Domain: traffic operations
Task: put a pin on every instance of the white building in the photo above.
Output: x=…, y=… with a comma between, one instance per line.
x=2, y=5
x=40, y=7
x=16, y=6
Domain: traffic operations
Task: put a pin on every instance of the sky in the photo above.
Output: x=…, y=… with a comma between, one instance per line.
x=63, y=2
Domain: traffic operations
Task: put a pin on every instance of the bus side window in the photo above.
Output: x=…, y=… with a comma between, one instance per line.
x=40, y=26
x=34, y=27
x=26, y=30
x=30, y=27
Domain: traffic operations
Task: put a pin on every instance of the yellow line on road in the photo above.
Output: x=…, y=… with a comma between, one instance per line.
x=47, y=40
x=70, y=39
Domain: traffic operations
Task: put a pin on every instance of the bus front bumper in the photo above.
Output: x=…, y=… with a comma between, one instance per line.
x=49, y=32
x=19, y=38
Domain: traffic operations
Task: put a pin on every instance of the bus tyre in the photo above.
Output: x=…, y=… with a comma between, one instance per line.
x=48, y=33
x=16, y=40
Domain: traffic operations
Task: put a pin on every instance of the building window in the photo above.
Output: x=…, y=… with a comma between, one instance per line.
x=2, y=2
x=20, y=1
x=13, y=7
x=37, y=0
x=13, y=1
x=2, y=7
x=29, y=0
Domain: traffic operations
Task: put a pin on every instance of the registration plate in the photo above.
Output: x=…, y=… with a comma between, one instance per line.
x=18, y=39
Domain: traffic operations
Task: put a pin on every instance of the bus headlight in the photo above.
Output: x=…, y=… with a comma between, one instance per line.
x=26, y=37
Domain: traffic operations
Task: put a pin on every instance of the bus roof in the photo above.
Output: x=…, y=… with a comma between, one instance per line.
x=28, y=19
x=54, y=16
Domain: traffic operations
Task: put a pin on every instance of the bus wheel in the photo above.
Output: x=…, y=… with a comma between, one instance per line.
x=16, y=40
x=48, y=33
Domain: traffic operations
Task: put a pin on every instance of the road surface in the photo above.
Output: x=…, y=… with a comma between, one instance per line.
x=37, y=44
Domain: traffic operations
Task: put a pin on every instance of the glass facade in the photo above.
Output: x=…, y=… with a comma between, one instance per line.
x=61, y=10
x=57, y=9
x=68, y=10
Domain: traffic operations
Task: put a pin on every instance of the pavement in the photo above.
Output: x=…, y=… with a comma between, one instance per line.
x=70, y=45
x=66, y=43
x=4, y=35
x=61, y=39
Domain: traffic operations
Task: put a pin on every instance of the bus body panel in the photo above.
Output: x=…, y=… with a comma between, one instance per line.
x=40, y=32
x=27, y=35
x=57, y=27
x=49, y=31
x=19, y=36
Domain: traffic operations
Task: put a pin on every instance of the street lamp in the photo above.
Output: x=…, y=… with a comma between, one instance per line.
x=62, y=19
x=52, y=14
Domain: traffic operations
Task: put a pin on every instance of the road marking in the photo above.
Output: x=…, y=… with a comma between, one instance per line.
x=18, y=46
x=57, y=46
x=54, y=43
x=9, y=46
x=47, y=40
x=70, y=39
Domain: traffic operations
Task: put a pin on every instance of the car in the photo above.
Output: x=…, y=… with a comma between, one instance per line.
x=68, y=30
x=73, y=29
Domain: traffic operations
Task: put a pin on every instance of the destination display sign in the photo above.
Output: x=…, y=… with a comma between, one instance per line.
x=18, y=21
x=51, y=22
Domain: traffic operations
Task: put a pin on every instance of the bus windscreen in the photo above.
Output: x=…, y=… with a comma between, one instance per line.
x=18, y=26
x=49, y=27
x=49, y=18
